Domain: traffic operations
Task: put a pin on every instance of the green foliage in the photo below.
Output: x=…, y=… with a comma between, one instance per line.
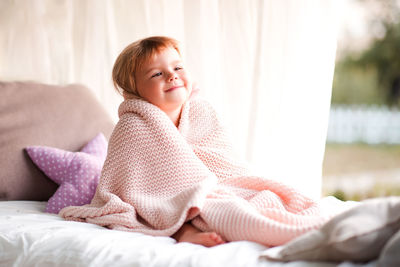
x=384, y=57
x=379, y=190
x=355, y=85
x=339, y=194
x=368, y=77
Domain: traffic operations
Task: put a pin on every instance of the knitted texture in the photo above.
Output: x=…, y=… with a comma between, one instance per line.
x=156, y=177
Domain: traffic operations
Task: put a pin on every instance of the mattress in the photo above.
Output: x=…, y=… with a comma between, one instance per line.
x=31, y=237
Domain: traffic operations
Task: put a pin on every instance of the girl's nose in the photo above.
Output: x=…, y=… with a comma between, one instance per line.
x=172, y=77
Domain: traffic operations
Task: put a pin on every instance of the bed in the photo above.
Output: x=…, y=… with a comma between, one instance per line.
x=31, y=237
x=68, y=117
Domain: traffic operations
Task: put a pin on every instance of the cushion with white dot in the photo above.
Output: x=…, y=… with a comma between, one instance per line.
x=77, y=173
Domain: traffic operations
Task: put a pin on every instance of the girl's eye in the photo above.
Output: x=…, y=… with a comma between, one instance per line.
x=157, y=74
x=178, y=68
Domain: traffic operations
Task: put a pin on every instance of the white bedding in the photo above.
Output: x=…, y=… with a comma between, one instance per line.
x=31, y=237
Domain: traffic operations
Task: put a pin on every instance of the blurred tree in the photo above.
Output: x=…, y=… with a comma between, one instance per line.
x=382, y=58
x=355, y=85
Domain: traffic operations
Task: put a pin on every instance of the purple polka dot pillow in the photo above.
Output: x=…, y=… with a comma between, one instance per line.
x=76, y=173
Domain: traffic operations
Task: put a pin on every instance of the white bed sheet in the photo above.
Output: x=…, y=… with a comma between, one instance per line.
x=31, y=237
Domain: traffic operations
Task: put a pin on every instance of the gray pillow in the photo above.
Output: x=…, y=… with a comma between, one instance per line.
x=390, y=255
x=66, y=117
x=357, y=235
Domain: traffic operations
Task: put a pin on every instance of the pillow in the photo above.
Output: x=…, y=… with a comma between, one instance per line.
x=390, y=253
x=357, y=235
x=77, y=173
x=66, y=117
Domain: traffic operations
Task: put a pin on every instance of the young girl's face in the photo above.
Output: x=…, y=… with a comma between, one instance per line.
x=163, y=81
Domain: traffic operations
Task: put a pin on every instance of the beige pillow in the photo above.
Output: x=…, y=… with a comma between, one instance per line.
x=357, y=235
x=66, y=117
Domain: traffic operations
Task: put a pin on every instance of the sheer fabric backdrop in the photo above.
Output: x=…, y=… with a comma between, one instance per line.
x=267, y=66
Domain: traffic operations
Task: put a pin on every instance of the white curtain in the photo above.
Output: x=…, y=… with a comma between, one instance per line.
x=267, y=66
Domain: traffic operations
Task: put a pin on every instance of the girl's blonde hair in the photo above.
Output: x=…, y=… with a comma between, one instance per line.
x=132, y=59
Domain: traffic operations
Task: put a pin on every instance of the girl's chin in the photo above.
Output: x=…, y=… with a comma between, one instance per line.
x=177, y=96
x=174, y=102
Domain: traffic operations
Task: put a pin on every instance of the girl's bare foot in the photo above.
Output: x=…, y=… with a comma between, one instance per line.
x=188, y=233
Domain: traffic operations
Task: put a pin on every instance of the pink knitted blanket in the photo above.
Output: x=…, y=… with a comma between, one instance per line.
x=157, y=177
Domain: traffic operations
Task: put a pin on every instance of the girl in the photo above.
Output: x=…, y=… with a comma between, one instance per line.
x=170, y=171
x=159, y=77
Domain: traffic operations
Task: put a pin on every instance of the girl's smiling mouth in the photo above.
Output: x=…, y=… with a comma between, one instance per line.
x=173, y=88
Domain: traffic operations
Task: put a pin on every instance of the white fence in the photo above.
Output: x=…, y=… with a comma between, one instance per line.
x=367, y=124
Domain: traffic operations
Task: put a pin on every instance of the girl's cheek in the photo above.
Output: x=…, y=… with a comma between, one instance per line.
x=152, y=82
x=185, y=77
x=188, y=77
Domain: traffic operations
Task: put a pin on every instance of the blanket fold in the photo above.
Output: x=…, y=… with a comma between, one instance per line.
x=157, y=177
